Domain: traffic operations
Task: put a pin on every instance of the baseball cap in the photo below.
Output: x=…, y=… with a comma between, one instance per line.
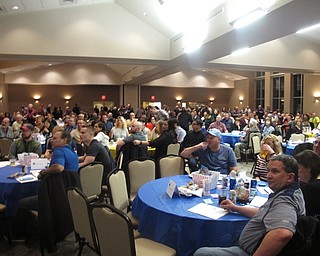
x=214, y=132
x=27, y=127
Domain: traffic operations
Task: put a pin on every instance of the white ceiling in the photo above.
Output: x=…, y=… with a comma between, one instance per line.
x=214, y=57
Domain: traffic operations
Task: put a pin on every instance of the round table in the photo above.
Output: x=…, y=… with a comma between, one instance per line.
x=230, y=138
x=11, y=191
x=168, y=221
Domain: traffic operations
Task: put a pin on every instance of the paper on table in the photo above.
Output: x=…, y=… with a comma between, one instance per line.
x=189, y=192
x=26, y=178
x=209, y=211
x=258, y=201
x=35, y=173
x=264, y=190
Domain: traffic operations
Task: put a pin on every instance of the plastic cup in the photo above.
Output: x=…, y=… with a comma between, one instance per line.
x=12, y=161
x=222, y=195
x=206, y=187
x=263, y=154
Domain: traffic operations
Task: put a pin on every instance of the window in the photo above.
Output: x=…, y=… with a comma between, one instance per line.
x=278, y=93
x=297, y=93
x=260, y=87
x=260, y=74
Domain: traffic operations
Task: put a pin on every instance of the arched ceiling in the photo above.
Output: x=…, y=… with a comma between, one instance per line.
x=143, y=47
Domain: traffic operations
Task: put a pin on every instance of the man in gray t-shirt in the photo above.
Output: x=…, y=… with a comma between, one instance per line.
x=273, y=225
x=135, y=134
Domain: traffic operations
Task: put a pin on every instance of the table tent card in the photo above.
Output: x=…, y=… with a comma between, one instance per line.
x=39, y=164
x=172, y=189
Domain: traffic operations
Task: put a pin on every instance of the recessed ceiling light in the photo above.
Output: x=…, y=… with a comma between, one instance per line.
x=16, y=7
x=145, y=14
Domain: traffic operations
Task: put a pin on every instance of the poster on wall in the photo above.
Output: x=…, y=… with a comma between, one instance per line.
x=152, y=104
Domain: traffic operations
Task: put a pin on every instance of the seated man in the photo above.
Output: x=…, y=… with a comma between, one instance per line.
x=273, y=225
x=64, y=159
x=26, y=143
x=5, y=129
x=192, y=138
x=212, y=154
x=94, y=151
x=135, y=134
x=218, y=125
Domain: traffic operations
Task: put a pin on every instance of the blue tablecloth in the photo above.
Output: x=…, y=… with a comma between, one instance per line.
x=168, y=221
x=289, y=149
x=230, y=138
x=11, y=191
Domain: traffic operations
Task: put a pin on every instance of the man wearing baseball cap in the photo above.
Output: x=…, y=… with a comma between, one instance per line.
x=212, y=154
x=26, y=143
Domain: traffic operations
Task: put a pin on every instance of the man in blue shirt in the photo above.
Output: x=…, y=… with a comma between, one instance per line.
x=212, y=154
x=63, y=157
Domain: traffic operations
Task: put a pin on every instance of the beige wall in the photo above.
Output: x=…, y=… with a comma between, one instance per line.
x=167, y=95
x=241, y=89
x=131, y=95
x=311, y=89
x=84, y=95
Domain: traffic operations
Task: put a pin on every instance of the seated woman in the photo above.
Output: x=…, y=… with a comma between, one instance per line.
x=167, y=136
x=156, y=131
x=309, y=175
x=120, y=129
x=100, y=135
x=270, y=146
x=296, y=128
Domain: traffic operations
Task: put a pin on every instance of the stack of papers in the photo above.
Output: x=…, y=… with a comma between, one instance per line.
x=209, y=211
x=188, y=192
x=26, y=178
x=258, y=201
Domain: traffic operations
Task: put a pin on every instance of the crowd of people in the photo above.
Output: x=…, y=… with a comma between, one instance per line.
x=198, y=131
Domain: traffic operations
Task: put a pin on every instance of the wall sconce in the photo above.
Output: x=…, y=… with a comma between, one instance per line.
x=241, y=100
x=316, y=99
x=67, y=98
x=36, y=98
x=1, y=97
x=178, y=98
x=211, y=99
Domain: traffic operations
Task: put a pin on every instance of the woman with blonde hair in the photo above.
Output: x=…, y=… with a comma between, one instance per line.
x=270, y=146
x=120, y=129
x=156, y=131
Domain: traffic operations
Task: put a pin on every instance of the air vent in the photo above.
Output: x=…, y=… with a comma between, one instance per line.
x=67, y=2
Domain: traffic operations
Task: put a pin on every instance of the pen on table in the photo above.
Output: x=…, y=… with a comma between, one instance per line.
x=266, y=191
x=26, y=178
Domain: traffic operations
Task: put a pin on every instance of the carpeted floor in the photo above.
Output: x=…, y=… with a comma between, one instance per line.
x=68, y=247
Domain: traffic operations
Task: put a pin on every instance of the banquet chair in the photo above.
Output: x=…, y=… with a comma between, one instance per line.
x=297, y=137
x=5, y=144
x=300, y=147
x=115, y=235
x=91, y=180
x=82, y=220
x=171, y=165
x=4, y=218
x=140, y=171
x=279, y=137
x=173, y=149
x=249, y=149
x=256, y=148
x=118, y=193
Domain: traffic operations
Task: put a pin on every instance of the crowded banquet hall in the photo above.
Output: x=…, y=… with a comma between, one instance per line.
x=142, y=127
